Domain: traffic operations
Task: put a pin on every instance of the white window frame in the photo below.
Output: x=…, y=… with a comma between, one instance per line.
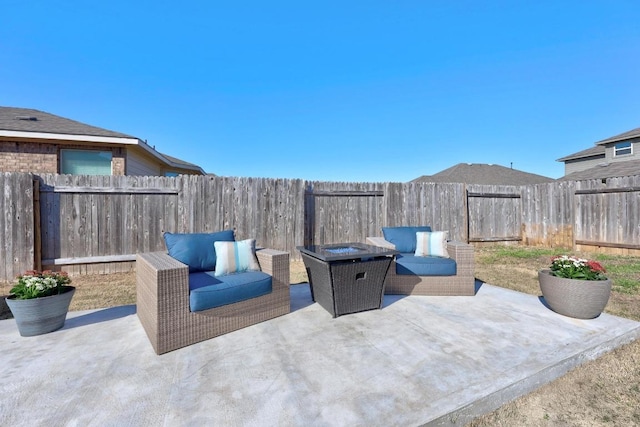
x=622, y=146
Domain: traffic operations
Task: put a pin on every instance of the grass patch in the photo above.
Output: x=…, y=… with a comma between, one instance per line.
x=627, y=286
x=522, y=252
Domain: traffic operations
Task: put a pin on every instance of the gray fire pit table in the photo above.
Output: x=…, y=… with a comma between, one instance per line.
x=347, y=277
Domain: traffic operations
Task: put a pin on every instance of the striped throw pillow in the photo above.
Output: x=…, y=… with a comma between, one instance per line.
x=236, y=257
x=431, y=243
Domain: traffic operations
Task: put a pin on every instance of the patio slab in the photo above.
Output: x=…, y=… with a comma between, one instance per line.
x=417, y=361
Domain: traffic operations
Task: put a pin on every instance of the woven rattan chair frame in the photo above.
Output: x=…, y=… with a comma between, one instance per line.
x=463, y=283
x=162, y=288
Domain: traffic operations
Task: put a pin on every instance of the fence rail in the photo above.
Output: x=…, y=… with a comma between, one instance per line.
x=98, y=223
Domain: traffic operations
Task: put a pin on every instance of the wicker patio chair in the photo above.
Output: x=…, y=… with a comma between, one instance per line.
x=163, y=301
x=463, y=283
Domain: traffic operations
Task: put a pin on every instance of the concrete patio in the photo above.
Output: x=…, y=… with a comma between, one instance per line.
x=418, y=360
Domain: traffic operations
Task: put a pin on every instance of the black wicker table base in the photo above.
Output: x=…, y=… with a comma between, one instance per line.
x=347, y=286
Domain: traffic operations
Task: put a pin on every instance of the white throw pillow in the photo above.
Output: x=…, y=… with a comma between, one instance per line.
x=236, y=257
x=432, y=243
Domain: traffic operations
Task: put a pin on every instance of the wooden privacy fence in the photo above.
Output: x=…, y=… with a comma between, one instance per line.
x=350, y=212
x=96, y=224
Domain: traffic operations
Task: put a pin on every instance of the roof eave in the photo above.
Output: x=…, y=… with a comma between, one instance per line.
x=69, y=137
x=592, y=156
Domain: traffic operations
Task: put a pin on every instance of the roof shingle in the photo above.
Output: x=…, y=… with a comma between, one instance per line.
x=633, y=133
x=29, y=120
x=474, y=173
x=606, y=170
x=597, y=151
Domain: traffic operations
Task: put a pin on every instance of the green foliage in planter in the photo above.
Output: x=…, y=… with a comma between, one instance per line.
x=38, y=284
x=570, y=267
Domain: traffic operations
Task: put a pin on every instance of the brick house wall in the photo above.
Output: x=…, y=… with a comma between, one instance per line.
x=37, y=157
x=32, y=157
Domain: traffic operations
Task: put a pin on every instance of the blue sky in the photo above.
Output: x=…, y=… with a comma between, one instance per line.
x=333, y=90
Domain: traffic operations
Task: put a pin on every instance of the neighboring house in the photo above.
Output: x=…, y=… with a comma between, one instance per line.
x=611, y=157
x=38, y=142
x=477, y=173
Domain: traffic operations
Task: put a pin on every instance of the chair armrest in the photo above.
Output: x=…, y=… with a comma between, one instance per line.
x=463, y=254
x=162, y=290
x=158, y=274
x=379, y=241
x=276, y=264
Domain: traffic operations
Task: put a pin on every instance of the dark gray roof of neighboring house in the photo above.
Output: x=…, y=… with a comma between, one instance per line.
x=597, y=151
x=634, y=133
x=29, y=120
x=606, y=170
x=477, y=173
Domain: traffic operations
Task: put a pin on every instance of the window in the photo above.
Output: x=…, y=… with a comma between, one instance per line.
x=622, y=148
x=171, y=174
x=85, y=162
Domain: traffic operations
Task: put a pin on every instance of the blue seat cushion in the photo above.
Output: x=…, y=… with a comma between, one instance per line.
x=404, y=238
x=196, y=249
x=409, y=264
x=209, y=291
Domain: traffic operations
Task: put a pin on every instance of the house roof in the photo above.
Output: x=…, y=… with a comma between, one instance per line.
x=27, y=122
x=634, y=133
x=606, y=170
x=478, y=173
x=597, y=151
x=180, y=162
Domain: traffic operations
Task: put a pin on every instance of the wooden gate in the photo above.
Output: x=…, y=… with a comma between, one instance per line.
x=494, y=217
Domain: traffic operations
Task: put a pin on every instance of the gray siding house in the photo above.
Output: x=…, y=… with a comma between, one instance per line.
x=611, y=157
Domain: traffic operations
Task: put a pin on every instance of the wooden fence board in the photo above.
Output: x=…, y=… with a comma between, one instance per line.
x=17, y=230
x=5, y=229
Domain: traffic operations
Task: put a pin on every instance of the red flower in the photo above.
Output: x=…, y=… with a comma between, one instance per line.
x=596, y=266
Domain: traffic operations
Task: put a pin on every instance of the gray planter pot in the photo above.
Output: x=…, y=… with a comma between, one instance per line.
x=41, y=315
x=581, y=299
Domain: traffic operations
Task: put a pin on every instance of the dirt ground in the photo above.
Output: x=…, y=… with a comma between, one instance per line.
x=603, y=392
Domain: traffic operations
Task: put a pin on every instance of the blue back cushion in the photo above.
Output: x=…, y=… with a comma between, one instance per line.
x=196, y=249
x=403, y=237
